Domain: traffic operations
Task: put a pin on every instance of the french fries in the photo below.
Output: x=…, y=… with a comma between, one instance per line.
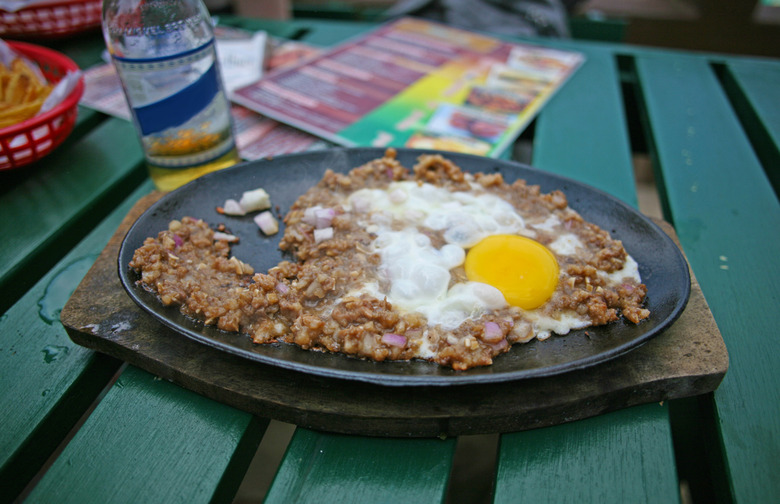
x=22, y=92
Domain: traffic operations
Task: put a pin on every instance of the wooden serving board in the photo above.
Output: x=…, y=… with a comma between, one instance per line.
x=687, y=359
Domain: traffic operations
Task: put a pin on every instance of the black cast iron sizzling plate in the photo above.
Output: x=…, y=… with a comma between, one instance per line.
x=661, y=265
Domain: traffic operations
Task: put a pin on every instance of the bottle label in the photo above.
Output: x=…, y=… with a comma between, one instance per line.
x=179, y=106
x=146, y=80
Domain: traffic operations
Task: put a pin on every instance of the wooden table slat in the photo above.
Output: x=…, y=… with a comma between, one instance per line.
x=563, y=140
x=50, y=383
x=727, y=217
x=623, y=456
x=169, y=445
x=533, y=464
x=45, y=213
x=321, y=467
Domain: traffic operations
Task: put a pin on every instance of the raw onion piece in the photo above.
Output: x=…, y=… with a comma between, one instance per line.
x=257, y=199
x=310, y=215
x=492, y=333
x=323, y=217
x=323, y=234
x=219, y=235
x=500, y=345
x=233, y=207
x=267, y=223
x=393, y=339
x=318, y=217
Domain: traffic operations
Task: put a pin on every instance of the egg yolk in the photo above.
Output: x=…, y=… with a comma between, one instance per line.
x=524, y=270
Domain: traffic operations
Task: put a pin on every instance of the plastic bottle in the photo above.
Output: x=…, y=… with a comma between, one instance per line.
x=164, y=52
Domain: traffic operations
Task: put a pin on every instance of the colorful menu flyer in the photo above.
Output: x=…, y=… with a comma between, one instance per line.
x=415, y=83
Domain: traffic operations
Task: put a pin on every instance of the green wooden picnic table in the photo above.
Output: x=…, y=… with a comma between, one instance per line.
x=80, y=426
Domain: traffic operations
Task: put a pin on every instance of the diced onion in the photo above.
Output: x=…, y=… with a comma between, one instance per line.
x=310, y=215
x=393, y=339
x=233, y=207
x=218, y=235
x=324, y=217
x=282, y=288
x=500, y=345
x=257, y=199
x=266, y=222
x=323, y=234
x=492, y=333
x=177, y=240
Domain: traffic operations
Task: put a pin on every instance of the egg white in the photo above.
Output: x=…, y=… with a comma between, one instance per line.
x=418, y=274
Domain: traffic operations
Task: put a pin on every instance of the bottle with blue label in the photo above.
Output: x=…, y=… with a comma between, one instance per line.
x=164, y=52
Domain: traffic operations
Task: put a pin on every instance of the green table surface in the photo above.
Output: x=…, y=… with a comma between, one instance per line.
x=83, y=427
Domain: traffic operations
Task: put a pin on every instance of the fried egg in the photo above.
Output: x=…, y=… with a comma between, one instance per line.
x=481, y=232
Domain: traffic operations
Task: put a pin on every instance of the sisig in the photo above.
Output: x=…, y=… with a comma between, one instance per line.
x=392, y=263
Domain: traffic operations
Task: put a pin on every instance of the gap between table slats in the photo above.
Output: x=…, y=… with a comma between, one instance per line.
x=753, y=90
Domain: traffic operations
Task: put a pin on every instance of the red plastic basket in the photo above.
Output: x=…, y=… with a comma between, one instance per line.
x=54, y=19
x=30, y=140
